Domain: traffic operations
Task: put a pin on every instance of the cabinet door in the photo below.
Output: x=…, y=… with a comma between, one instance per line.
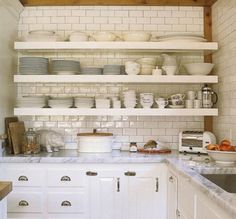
x=186, y=196
x=146, y=194
x=172, y=196
x=205, y=209
x=106, y=191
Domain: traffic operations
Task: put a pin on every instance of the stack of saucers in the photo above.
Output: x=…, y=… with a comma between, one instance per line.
x=65, y=67
x=130, y=99
x=102, y=103
x=30, y=101
x=91, y=71
x=112, y=69
x=60, y=102
x=84, y=102
x=33, y=66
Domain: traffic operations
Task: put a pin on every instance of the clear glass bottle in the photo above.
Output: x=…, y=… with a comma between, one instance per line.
x=31, y=143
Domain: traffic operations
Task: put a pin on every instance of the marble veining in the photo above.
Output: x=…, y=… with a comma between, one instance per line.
x=188, y=166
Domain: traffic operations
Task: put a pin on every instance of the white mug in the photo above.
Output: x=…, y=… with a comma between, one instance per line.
x=189, y=103
x=197, y=104
x=162, y=104
x=191, y=95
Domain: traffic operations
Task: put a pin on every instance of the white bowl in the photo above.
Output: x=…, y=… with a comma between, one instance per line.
x=223, y=157
x=136, y=36
x=147, y=60
x=104, y=36
x=170, y=70
x=199, y=68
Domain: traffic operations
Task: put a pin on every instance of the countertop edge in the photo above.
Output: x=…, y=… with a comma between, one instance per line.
x=5, y=189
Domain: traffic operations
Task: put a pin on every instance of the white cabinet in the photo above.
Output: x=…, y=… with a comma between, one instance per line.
x=106, y=192
x=172, y=195
x=3, y=208
x=87, y=191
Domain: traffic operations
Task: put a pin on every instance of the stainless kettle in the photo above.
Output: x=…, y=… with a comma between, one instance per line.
x=207, y=97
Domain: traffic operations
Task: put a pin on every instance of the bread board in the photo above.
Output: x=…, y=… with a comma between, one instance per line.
x=154, y=151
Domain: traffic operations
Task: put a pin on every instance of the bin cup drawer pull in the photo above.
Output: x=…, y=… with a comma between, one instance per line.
x=66, y=204
x=23, y=203
x=128, y=173
x=65, y=178
x=90, y=173
x=23, y=178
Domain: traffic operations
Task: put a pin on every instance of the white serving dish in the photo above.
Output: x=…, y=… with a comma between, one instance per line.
x=137, y=36
x=104, y=36
x=95, y=142
x=199, y=68
x=223, y=157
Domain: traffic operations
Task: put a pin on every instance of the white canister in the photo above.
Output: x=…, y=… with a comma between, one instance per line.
x=95, y=142
x=189, y=103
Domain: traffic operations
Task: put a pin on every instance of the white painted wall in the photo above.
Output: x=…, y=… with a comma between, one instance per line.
x=9, y=16
x=224, y=31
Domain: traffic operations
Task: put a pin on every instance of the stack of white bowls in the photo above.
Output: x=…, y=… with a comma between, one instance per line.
x=30, y=101
x=146, y=100
x=84, y=102
x=147, y=64
x=60, y=102
x=130, y=100
x=132, y=68
x=67, y=67
x=102, y=103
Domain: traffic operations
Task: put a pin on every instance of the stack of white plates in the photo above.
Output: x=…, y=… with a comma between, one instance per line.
x=84, y=102
x=112, y=69
x=29, y=101
x=130, y=100
x=33, y=66
x=41, y=36
x=91, y=71
x=102, y=103
x=182, y=37
x=60, y=102
x=68, y=67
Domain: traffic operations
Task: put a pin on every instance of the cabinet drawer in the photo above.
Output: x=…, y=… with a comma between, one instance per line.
x=66, y=202
x=65, y=178
x=66, y=216
x=25, y=177
x=22, y=202
x=24, y=216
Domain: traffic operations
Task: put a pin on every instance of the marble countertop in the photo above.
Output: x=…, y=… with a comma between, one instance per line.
x=190, y=166
x=5, y=189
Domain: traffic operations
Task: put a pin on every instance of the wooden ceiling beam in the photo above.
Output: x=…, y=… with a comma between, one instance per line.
x=118, y=2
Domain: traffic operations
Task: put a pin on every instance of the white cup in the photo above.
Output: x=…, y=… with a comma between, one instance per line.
x=160, y=99
x=197, y=104
x=191, y=95
x=117, y=104
x=162, y=104
x=199, y=95
x=156, y=72
x=170, y=70
x=189, y=104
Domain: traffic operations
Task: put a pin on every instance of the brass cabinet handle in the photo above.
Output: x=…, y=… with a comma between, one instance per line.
x=23, y=178
x=177, y=213
x=118, y=185
x=157, y=184
x=23, y=203
x=66, y=204
x=171, y=179
x=129, y=173
x=65, y=178
x=90, y=173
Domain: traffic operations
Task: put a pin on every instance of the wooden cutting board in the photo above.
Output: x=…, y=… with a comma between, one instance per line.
x=17, y=131
x=9, y=120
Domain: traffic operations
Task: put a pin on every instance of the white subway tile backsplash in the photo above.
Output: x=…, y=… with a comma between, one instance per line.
x=158, y=20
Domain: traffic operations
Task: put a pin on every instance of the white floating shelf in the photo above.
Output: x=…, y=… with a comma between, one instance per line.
x=114, y=112
x=142, y=46
x=186, y=79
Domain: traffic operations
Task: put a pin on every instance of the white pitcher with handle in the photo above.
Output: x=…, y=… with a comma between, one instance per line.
x=171, y=64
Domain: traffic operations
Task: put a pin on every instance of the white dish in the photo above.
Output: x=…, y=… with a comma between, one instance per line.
x=199, y=68
x=137, y=36
x=182, y=37
x=176, y=106
x=223, y=157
